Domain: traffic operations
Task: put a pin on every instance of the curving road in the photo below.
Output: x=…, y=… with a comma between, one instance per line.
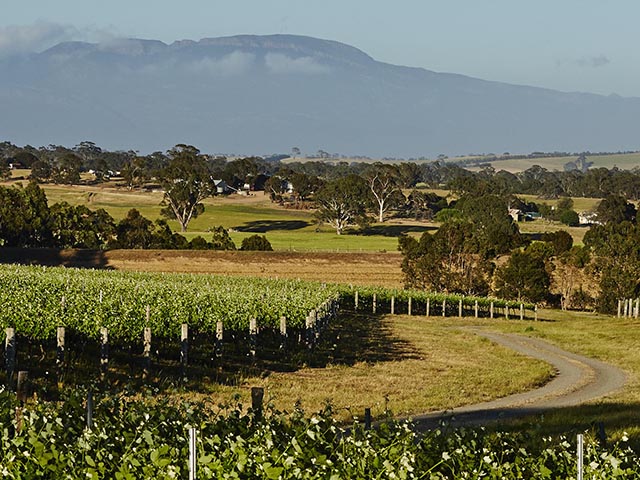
x=578, y=380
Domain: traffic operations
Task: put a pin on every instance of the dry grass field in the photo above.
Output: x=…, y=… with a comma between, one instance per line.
x=395, y=365
x=625, y=161
x=354, y=268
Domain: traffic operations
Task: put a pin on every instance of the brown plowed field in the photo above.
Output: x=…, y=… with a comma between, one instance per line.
x=354, y=268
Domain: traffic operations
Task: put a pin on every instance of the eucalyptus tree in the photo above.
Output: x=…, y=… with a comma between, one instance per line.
x=186, y=181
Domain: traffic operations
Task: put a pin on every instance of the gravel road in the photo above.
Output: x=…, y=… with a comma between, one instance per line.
x=578, y=380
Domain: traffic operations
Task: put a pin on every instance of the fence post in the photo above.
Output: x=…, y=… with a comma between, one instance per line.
x=308, y=324
x=491, y=310
x=535, y=312
x=367, y=418
x=60, y=331
x=393, y=305
x=580, y=456
x=506, y=311
x=283, y=333
x=409, y=307
x=90, y=410
x=253, y=336
x=184, y=346
x=460, y=308
x=521, y=311
x=219, y=338
x=10, y=353
x=619, y=308
x=444, y=308
x=475, y=309
x=146, y=352
x=192, y=454
x=428, y=305
x=257, y=396
x=636, y=310
x=104, y=350
x=22, y=390
x=356, y=300
x=374, y=303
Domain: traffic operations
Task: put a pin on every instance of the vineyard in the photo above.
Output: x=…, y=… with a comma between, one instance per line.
x=65, y=325
x=37, y=300
x=126, y=439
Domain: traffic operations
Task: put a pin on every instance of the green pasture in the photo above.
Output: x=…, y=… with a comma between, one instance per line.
x=286, y=229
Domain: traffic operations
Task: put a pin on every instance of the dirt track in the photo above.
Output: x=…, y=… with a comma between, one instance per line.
x=578, y=380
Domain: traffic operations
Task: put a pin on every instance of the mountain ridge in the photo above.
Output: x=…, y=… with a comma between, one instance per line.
x=256, y=94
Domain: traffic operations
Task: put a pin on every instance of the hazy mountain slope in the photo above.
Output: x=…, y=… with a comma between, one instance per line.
x=260, y=94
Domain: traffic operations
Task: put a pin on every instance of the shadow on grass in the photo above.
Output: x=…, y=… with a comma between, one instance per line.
x=263, y=226
x=600, y=420
x=395, y=230
x=348, y=340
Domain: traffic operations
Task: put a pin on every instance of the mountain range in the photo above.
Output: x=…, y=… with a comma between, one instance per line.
x=266, y=94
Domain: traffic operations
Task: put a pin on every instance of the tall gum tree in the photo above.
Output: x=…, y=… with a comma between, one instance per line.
x=186, y=181
x=384, y=183
x=342, y=203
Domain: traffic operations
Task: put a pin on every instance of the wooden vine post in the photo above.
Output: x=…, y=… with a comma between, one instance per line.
x=60, y=346
x=283, y=333
x=460, y=308
x=428, y=305
x=219, y=339
x=253, y=336
x=146, y=345
x=475, y=309
x=184, y=347
x=521, y=311
x=491, y=310
x=308, y=325
x=444, y=308
x=409, y=307
x=146, y=352
x=10, y=353
x=104, y=351
x=393, y=304
x=22, y=390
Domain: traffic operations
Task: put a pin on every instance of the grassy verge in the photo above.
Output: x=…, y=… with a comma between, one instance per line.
x=397, y=364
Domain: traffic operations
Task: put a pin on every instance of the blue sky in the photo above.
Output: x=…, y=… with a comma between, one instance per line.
x=570, y=45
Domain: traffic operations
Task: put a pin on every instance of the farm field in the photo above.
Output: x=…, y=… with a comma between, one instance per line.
x=625, y=161
x=371, y=268
x=286, y=229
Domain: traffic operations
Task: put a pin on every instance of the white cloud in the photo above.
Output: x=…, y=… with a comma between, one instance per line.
x=19, y=39
x=279, y=63
x=594, y=61
x=37, y=37
x=234, y=63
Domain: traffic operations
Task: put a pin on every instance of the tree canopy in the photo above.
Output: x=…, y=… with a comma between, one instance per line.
x=186, y=181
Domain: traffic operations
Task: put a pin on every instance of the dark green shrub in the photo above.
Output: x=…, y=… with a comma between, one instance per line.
x=256, y=242
x=221, y=239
